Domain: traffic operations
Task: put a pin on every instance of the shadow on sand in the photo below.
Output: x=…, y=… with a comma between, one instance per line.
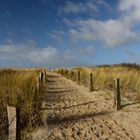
x=68, y=119
x=128, y=104
x=68, y=107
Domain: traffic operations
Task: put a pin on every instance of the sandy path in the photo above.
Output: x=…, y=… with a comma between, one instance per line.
x=73, y=113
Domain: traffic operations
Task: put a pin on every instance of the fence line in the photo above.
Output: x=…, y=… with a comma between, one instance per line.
x=14, y=127
x=70, y=73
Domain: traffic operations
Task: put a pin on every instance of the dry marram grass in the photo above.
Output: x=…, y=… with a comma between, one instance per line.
x=18, y=88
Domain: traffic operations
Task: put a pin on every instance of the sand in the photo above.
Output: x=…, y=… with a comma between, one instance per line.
x=71, y=112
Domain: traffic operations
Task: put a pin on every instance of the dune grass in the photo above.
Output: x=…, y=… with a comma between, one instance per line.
x=18, y=88
x=103, y=77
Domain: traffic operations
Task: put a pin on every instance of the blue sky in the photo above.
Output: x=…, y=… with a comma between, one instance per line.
x=56, y=33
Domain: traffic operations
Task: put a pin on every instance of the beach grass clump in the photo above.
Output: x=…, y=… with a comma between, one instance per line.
x=18, y=88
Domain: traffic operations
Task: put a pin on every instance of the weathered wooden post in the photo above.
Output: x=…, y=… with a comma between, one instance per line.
x=12, y=122
x=62, y=72
x=41, y=77
x=78, y=77
x=69, y=74
x=38, y=84
x=117, y=97
x=44, y=76
x=18, y=129
x=91, y=87
x=38, y=91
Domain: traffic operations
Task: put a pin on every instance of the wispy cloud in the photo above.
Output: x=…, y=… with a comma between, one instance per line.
x=133, y=56
x=25, y=30
x=86, y=51
x=72, y=7
x=57, y=35
x=83, y=7
x=7, y=13
x=129, y=52
x=67, y=22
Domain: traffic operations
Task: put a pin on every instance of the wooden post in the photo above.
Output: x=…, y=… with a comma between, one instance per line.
x=41, y=77
x=91, y=88
x=69, y=74
x=12, y=122
x=78, y=77
x=37, y=84
x=117, y=97
x=18, y=129
x=61, y=71
x=72, y=75
x=44, y=77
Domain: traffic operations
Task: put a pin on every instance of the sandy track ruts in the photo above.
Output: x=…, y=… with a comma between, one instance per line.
x=72, y=113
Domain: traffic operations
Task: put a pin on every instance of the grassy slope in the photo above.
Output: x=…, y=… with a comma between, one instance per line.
x=18, y=88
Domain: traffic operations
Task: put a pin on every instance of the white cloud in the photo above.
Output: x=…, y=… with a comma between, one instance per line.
x=83, y=34
x=131, y=5
x=112, y=32
x=130, y=11
x=28, y=54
